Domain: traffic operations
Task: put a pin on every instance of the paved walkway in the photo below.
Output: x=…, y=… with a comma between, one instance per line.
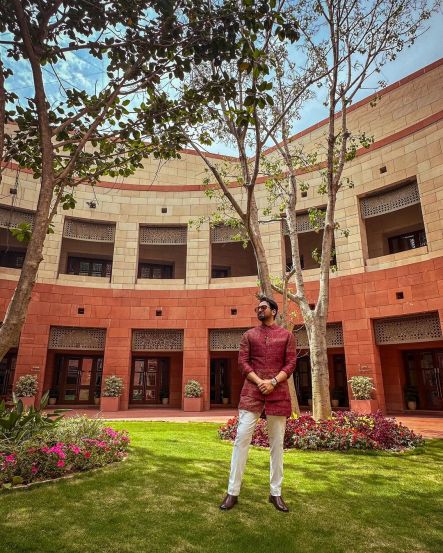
x=430, y=426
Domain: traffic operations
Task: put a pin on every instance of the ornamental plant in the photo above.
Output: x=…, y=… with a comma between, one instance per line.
x=26, y=386
x=343, y=431
x=18, y=425
x=113, y=386
x=361, y=387
x=37, y=461
x=193, y=388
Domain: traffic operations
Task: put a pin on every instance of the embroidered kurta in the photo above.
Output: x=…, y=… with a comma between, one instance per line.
x=267, y=350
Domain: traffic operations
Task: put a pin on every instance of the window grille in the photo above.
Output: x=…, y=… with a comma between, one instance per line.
x=11, y=217
x=171, y=236
x=87, y=230
x=225, y=339
x=225, y=233
x=334, y=336
x=157, y=340
x=400, y=330
x=77, y=338
x=389, y=201
x=303, y=224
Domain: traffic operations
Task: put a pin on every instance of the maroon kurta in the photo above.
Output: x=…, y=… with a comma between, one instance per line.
x=267, y=350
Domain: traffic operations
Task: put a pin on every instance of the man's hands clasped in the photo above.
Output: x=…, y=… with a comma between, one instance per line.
x=266, y=387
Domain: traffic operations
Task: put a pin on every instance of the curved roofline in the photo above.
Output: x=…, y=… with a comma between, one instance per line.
x=376, y=145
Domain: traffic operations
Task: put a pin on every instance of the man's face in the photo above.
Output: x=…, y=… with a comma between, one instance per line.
x=263, y=311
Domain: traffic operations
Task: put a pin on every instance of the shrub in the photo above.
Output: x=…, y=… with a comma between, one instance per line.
x=113, y=386
x=46, y=457
x=18, y=425
x=361, y=387
x=193, y=389
x=345, y=430
x=26, y=386
x=74, y=429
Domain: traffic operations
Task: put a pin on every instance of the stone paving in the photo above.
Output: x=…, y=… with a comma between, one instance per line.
x=430, y=426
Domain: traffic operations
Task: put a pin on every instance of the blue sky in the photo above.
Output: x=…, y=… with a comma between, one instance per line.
x=85, y=73
x=427, y=49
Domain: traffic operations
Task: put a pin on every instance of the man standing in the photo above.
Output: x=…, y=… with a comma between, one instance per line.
x=267, y=358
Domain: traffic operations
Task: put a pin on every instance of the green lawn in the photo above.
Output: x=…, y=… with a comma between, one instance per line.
x=165, y=498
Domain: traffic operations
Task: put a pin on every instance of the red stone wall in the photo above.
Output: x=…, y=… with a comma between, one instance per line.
x=355, y=300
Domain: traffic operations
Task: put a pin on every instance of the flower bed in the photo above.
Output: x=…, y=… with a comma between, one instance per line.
x=343, y=431
x=44, y=457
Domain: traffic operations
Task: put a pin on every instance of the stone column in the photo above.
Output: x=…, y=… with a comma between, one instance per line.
x=198, y=258
x=117, y=359
x=363, y=356
x=125, y=259
x=196, y=364
x=33, y=347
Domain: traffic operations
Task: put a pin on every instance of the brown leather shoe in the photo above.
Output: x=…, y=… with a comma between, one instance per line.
x=278, y=503
x=228, y=502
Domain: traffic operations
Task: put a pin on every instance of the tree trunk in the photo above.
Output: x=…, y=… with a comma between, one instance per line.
x=321, y=401
x=295, y=408
x=16, y=313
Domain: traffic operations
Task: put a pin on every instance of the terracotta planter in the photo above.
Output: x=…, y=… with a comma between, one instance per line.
x=165, y=400
x=225, y=401
x=193, y=404
x=335, y=402
x=412, y=405
x=28, y=401
x=364, y=406
x=109, y=403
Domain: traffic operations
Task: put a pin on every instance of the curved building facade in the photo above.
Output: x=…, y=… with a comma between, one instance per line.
x=128, y=287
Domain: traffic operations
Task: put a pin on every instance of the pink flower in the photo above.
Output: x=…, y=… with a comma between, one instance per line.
x=34, y=469
x=87, y=454
x=10, y=459
x=75, y=449
x=61, y=464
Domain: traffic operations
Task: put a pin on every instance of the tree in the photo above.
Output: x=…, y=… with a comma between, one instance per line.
x=342, y=43
x=78, y=135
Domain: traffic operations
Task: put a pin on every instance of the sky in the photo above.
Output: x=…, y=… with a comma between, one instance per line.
x=427, y=49
x=85, y=74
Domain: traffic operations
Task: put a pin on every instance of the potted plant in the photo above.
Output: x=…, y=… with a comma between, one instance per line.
x=97, y=398
x=113, y=389
x=362, y=387
x=336, y=395
x=193, y=397
x=26, y=389
x=53, y=396
x=411, y=397
x=164, y=397
x=225, y=399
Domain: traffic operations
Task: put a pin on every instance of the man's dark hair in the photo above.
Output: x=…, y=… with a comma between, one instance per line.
x=272, y=304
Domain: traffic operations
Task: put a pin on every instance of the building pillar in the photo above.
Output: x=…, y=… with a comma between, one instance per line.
x=273, y=243
x=198, y=257
x=363, y=356
x=196, y=365
x=33, y=349
x=125, y=258
x=117, y=359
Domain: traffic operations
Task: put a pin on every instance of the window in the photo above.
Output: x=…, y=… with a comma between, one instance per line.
x=155, y=270
x=220, y=272
x=407, y=241
x=12, y=259
x=89, y=267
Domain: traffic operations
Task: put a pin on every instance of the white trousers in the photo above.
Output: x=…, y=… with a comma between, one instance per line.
x=246, y=426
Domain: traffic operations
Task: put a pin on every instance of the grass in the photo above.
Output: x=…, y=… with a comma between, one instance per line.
x=165, y=499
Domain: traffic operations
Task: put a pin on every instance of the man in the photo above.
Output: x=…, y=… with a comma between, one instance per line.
x=267, y=358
